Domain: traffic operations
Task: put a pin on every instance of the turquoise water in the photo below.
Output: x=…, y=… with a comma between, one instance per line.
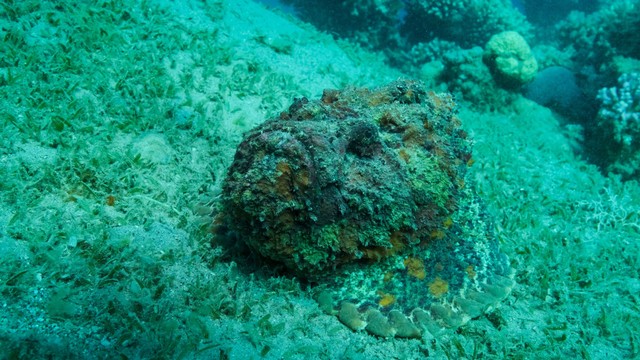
x=120, y=120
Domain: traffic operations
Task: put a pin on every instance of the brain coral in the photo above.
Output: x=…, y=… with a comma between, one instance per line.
x=364, y=193
x=510, y=60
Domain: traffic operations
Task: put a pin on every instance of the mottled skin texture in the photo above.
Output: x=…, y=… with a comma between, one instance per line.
x=363, y=193
x=344, y=178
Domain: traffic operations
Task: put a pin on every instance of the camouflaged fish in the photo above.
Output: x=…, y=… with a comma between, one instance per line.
x=364, y=193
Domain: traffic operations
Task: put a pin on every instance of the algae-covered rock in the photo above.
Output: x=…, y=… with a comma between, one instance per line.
x=510, y=59
x=364, y=192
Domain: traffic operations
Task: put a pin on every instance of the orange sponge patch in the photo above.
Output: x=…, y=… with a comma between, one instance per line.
x=386, y=299
x=415, y=268
x=438, y=287
x=471, y=272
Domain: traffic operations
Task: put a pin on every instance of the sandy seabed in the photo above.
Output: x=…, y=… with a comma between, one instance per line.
x=118, y=122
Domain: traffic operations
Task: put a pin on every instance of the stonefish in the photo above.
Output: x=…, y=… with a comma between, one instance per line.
x=364, y=194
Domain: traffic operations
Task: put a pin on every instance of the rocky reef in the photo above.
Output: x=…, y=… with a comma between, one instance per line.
x=466, y=22
x=395, y=26
x=365, y=194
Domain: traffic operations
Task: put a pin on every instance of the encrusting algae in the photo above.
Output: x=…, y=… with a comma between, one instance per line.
x=364, y=193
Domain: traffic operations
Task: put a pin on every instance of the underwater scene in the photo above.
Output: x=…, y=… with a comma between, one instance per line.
x=320, y=179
